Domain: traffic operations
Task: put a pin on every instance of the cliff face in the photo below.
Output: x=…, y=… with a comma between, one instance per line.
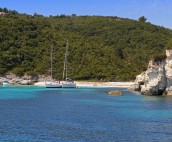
x=157, y=79
x=168, y=68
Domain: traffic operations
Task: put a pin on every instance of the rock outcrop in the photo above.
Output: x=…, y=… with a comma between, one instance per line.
x=157, y=79
x=115, y=93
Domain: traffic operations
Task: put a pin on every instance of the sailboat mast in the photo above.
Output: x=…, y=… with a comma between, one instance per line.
x=66, y=60
x=64, y=69
x=51, y=55
x=65, y=63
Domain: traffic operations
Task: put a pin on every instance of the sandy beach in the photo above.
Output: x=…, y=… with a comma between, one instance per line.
x=105, y=84
x=97, y=84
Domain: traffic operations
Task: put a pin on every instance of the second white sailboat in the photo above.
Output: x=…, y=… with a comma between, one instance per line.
x=67, y=82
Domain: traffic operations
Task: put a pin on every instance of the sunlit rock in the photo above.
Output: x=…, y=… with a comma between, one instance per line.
x=115, y=93
x=157, y=79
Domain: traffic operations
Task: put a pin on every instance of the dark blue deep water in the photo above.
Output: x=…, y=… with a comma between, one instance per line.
x=33, y=114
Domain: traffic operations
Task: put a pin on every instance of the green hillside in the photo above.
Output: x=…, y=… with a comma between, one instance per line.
x=112, y=48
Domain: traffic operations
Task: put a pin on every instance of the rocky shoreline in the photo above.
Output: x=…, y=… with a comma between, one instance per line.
x=39, y=80
x=23, y=80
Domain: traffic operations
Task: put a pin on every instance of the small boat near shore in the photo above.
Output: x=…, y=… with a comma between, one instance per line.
x=5, y=84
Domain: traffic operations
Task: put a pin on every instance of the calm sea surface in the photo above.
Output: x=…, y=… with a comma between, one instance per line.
x=34, y=114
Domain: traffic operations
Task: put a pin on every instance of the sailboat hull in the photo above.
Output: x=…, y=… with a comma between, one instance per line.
x=53, y=85
x=67, y=84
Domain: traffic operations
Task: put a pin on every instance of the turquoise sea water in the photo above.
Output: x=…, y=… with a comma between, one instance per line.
x=35, y=114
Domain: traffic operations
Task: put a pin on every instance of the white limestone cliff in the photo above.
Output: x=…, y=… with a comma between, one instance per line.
x=157, y=79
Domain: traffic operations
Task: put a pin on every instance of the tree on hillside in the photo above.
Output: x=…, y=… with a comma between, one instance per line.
x=5, y=10
x=74, y=15
x=142, y=19
x=169, y=44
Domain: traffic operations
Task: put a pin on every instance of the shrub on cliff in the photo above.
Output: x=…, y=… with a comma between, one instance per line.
x=169, y=44
x=159, y=57
x=3, y=71
x=32, y=73
x=18, y=71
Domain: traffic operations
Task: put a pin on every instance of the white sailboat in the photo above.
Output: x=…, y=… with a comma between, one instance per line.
x=67, y=82
x=52, y=84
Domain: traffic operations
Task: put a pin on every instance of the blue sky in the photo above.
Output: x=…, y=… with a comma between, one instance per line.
x=158, y=12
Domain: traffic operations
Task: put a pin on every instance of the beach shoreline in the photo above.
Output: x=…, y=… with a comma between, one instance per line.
x=97, y=84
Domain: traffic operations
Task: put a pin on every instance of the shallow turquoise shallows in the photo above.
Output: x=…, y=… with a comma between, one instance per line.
x=35, y=114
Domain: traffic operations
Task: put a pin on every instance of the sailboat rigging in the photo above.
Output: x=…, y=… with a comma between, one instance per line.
x=52, y=84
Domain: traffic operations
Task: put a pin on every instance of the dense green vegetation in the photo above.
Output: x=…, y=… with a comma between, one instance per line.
x=112, y=48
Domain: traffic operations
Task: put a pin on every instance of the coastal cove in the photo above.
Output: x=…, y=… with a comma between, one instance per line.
x=85, y=78
x=31, y=113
